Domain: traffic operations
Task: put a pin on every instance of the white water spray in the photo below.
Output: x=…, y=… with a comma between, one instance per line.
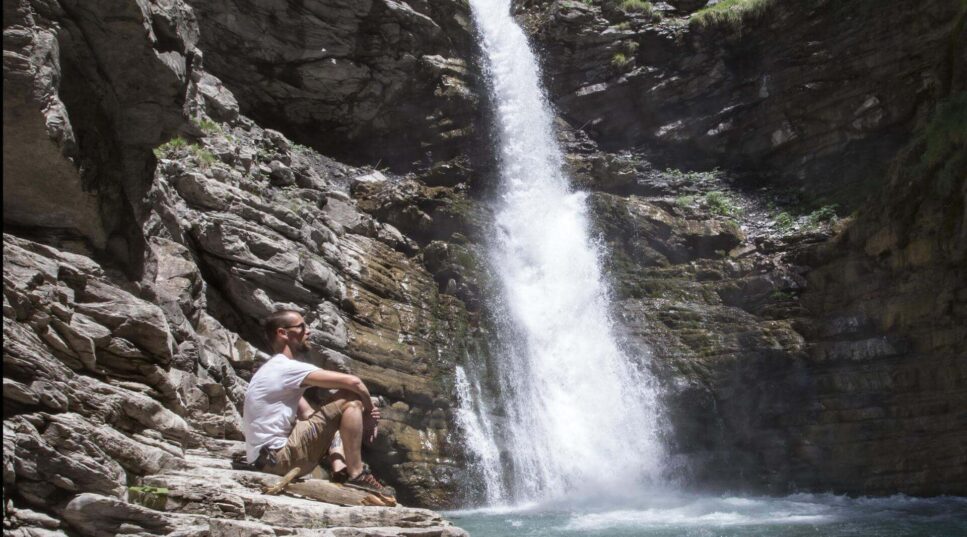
x=580, y=417
x=475, y=420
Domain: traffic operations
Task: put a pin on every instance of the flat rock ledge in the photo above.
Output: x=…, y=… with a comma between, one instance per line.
x=206, y=497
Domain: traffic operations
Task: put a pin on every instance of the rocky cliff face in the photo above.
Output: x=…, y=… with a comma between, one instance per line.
x=91, y=89
x=814, y=96
x=797, y=351
x=151, y=219
x=152, y=226
x=373, y=81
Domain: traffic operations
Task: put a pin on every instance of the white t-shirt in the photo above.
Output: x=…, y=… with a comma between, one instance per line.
x=272, y=403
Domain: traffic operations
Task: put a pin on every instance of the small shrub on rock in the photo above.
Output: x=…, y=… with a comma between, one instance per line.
x=619, y=60
x=729, y=14
x=208, y=126
x=785, y=221
x=684, y=201
x=720, y=204
x=636, y=6
x=170, y=147
x=826, y=213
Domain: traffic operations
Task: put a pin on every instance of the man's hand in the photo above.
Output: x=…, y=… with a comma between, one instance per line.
x=333, y=380
x=370, y=423
x=340, y=381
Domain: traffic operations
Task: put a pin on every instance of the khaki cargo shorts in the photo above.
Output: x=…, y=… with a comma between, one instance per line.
x=308, y=442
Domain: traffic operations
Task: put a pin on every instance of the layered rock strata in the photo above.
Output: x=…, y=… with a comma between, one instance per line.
x=131, y=316
x=815, y=96
x=90, y=89
x=372, y=81
x=108, y=381
x=149, y=223
x=794, y=355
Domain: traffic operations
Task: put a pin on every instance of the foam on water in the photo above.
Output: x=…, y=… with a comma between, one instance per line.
x=815, y=509
x=681, y=514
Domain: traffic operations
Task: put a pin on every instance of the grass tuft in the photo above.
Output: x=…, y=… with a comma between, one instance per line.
x=636, y=6
x=170, y=147
x=684, y=201
x=721, y=204
x=730, y=14
x=785, y=221
x=179, y=147
x=204, y=157
x=826, y=213
x=680, y=176
x=619, y=60
x=208, y=126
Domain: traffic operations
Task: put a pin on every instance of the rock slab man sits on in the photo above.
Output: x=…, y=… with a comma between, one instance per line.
x=283, y=431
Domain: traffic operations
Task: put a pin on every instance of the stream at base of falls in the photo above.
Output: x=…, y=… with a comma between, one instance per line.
x=684, y=515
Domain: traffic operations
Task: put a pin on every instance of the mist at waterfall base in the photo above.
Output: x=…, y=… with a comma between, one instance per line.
x=572, y=443
x=682, y=515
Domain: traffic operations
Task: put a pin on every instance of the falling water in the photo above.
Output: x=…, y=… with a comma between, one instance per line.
x=579, y=416
x=475, y=420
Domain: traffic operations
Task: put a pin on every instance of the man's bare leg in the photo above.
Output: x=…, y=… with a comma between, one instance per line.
x=305, y=409
x=337, y=456
x=351, y=431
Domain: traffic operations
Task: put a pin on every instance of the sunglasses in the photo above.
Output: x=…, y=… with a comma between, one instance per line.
x=301, y=326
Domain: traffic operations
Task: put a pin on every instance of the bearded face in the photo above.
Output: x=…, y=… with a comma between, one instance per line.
x=299, y=343
x=297, y=335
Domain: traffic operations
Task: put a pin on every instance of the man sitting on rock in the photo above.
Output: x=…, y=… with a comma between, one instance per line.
x=283, y=431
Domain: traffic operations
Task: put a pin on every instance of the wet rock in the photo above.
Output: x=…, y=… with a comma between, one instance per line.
x=604, y=171
x=652, y=236
x=458, y=269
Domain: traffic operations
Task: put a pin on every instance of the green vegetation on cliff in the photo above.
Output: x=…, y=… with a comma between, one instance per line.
x=637, y=6
x=178, y=146
x=731, y=14
x=721, y=204
x=619, y=60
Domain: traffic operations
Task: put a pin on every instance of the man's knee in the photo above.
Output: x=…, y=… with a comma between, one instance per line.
x=344, y=395
x=352, y=405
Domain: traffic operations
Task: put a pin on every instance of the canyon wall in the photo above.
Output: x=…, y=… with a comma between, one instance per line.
x=152, y=215
x=799, y=350
x=150, y=226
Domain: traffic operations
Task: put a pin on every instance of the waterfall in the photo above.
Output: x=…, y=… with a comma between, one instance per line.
x=578, y=414
x=475, y=420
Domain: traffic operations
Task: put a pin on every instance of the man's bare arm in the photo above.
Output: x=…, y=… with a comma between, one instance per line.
x=340, y=381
